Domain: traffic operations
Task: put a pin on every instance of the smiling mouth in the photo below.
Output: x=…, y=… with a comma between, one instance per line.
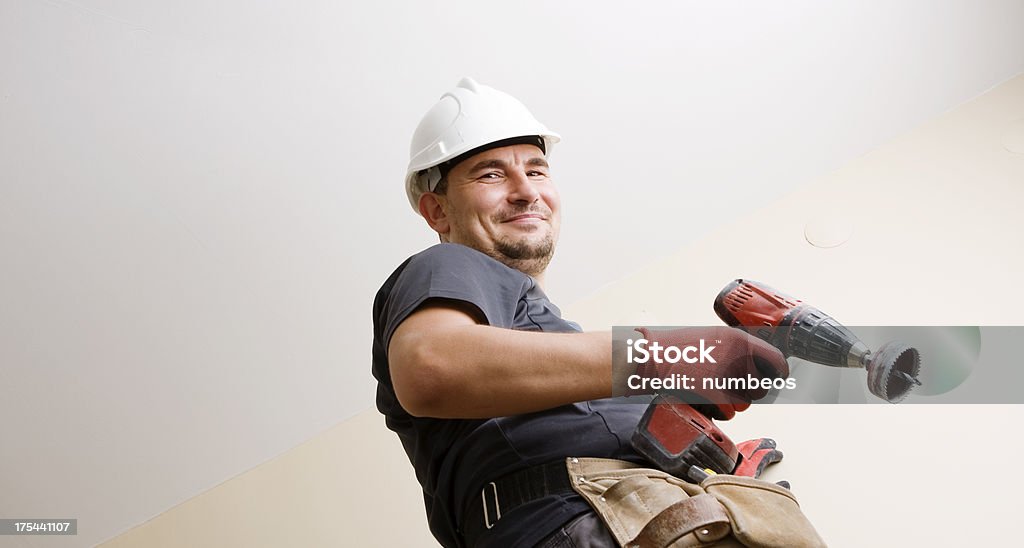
x=525, y=217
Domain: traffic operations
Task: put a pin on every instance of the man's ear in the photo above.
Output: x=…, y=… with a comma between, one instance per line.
x=432, y=208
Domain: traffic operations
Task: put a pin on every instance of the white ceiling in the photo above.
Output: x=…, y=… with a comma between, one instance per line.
x=198, y=199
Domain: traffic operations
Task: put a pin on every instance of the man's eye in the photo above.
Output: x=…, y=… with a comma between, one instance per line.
x=536, y=174
x=492, y=175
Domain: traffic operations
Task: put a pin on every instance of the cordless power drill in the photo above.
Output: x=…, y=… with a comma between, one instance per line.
x=682, y=441
x=800, y=330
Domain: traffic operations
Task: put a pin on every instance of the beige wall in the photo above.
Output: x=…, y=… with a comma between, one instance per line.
x=350, y=486
x=935, y=212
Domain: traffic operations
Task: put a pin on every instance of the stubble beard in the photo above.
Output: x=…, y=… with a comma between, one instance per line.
x=529, y=257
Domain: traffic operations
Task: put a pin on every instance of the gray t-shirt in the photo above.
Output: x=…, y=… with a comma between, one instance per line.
x=454, y=459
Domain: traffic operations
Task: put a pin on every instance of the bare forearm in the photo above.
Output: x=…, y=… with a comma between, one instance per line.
x=478, y=371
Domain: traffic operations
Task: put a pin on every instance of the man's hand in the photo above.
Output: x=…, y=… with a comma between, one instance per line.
x=738, y=356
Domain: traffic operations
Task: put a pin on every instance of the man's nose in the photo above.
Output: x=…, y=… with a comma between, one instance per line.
x=523, y=189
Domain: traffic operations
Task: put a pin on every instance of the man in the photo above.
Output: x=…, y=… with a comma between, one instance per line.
x=487, y=386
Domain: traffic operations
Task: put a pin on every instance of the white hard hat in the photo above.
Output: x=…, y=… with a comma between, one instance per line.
x=464, y=119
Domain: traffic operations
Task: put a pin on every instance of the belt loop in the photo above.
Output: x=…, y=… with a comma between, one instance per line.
x=497, y=507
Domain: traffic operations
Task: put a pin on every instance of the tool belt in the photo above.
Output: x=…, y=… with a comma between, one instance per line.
x=647, y=508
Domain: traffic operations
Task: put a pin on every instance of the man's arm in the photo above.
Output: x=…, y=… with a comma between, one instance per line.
x=445, y=364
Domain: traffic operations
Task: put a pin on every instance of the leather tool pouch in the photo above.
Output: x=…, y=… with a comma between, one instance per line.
x=647, y=508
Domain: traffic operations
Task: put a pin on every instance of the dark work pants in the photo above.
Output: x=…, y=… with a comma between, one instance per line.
x=584, y=531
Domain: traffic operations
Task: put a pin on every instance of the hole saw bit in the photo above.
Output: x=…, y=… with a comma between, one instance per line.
x=800, y=330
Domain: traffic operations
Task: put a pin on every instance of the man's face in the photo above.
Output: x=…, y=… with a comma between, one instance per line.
x=502, y=202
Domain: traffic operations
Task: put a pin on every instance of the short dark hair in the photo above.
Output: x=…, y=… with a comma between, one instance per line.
x=442, y=186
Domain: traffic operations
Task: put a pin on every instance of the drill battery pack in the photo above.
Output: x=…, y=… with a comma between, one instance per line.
x=674, y=436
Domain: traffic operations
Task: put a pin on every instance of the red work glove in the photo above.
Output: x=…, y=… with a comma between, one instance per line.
x=737, y=355
x=755, y=456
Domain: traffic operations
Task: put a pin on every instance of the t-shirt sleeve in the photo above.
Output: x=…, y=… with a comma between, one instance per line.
x=453, y=271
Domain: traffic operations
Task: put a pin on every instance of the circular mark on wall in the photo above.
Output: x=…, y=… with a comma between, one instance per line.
x=828, y=230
